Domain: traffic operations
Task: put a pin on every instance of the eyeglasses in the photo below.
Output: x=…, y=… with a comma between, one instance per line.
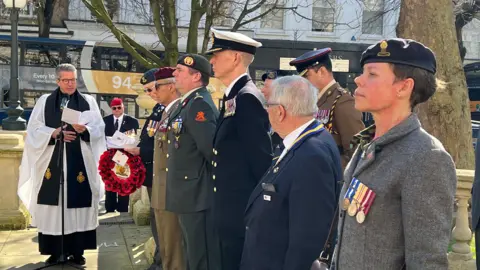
x=268, y=104
x=116, y=108
x=66, y=81
x=147, y=90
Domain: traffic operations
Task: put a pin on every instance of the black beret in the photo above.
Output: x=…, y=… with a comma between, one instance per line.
x=311, y=58
x=400, y=51
x=196, y=62
x=148, y=76
x=273, y=74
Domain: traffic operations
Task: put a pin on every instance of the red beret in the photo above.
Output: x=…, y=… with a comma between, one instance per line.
x=116, y=102
x=164, y=73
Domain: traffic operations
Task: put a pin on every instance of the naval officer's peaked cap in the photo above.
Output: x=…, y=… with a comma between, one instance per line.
x=225, y=40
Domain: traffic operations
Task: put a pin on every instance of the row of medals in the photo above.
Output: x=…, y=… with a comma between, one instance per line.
x=353, y=208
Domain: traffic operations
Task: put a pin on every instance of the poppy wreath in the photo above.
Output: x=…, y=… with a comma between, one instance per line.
x=123, y=180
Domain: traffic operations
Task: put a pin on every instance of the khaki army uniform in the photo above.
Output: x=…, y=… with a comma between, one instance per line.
x=168, y=226
x=336, y=110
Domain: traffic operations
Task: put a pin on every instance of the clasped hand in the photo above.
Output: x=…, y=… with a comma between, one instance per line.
x=69, y=136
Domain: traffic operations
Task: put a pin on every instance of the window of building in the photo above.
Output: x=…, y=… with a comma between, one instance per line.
x=323, y=16
x=73, y=55
x=274, y=18
x=372, y=19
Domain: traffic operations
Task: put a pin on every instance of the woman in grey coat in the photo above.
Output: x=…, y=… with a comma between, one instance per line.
x=397, y=200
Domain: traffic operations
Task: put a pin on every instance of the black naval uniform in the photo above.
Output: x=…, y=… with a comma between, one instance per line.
x=189, y=186
x=242, y=154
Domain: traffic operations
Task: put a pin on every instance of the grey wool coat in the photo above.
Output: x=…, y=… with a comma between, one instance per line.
x=408, y=223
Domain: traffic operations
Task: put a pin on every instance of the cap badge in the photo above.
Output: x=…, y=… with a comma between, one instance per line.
x=212, y=39
x=143, y=80
x=383, y=49
x=188, y=61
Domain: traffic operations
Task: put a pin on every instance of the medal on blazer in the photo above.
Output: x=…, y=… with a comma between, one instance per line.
x=347, y=199
x=230, y=107
x=177, y=125
x=355, y=203
x=322, y=116
x=151, y=128
x=365, y=204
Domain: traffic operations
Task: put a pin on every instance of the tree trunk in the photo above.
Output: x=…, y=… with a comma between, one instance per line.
x=447, y=114
x=44, y=17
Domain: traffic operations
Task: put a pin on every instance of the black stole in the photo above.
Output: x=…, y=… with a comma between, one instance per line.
x=79, y=193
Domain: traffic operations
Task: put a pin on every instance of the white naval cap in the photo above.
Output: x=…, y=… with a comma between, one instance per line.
x=225, y=40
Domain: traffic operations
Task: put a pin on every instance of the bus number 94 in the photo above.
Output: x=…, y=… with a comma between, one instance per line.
x=117, y=82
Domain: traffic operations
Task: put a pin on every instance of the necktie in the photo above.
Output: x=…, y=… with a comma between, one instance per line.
x=115, y=126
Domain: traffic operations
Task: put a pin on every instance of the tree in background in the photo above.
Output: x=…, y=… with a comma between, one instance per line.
x=447, y=114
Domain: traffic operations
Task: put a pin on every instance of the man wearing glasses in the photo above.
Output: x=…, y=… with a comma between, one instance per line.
x=336, y=107
x=145, y=149
x=118, y=121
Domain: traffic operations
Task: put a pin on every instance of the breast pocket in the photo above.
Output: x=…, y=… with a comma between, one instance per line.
x=273, y=205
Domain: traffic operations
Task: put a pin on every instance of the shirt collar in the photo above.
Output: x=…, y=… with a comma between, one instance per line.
x=167, y=109
x=189, y=93
x=324, y=89
x=120, y=118
x=229, y=88
x=290, y=138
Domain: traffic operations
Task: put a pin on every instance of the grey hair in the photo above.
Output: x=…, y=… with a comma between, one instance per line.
x=65, y=68
x=247, y=58
x=296, y=94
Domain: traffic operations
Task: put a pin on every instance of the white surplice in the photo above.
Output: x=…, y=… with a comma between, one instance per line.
x=36, y=158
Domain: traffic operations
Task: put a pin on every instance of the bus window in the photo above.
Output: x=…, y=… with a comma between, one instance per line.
x=115, y=59
x=6, y=52
x=42, y=55
x=73, y=55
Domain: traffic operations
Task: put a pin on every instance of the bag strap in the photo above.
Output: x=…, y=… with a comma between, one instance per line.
x=328, y=247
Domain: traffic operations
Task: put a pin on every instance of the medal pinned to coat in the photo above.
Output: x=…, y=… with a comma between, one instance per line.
x=323, y=116
x=177, y=125
x=230, y=107
x=152, y=128
x=357, y=200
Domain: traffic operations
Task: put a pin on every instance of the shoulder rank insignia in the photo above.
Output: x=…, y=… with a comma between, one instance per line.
x=48, y=174
x=80, y=177
x=198, y=96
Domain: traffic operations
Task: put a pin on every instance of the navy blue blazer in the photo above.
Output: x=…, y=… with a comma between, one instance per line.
x=146, y=144
x=287, y=229
x=476, y=187
x=128, y=123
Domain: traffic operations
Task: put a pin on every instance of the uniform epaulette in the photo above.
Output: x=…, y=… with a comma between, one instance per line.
x=198, y=96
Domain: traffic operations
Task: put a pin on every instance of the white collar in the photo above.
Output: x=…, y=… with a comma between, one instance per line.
x=120, y=118
x=170, y=105
x=290, y=138
x=324, y=89
x=189, y=93
x=229, y=88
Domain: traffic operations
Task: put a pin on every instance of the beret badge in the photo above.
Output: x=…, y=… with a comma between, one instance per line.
x=383, y=49
x=188, y=61
x=143, y=80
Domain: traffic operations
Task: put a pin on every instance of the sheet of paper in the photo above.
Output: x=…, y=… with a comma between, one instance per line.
x=120, y=158
x=86, y=117
x=120, y=140
x=70, y=116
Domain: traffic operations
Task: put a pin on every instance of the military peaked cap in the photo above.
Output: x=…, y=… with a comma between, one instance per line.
x=224, y=40
x=273, y=74
x=310, y=59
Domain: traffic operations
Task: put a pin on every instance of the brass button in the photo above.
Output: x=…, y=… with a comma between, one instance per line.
x=168, y=141
x=166, y=169
x=168, y=155
x=213, y=177
x=186, y=177
x=215, y=164
x=214, y=189
x=213, y=150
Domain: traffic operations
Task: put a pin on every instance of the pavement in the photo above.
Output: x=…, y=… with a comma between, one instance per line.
x=120, y=246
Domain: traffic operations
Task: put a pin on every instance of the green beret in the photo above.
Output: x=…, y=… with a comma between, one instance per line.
x=196, y=62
